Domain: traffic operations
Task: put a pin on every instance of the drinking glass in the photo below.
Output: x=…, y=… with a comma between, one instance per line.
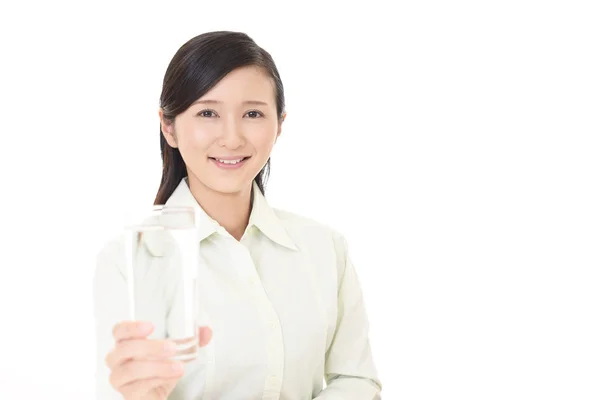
x=169, y=232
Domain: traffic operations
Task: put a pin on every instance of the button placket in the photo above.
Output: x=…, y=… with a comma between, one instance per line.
x=275, y=356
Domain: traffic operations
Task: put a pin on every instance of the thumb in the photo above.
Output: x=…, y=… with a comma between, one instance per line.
x=204, y=335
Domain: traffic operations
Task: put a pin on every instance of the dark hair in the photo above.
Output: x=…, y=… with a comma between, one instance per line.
x=198, y=66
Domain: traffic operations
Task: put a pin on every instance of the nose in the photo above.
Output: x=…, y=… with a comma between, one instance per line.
x=231, y=136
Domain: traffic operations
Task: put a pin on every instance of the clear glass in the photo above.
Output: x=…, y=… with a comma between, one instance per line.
x=169, y=232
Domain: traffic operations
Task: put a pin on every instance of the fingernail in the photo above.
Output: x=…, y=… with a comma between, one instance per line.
x=146, y=326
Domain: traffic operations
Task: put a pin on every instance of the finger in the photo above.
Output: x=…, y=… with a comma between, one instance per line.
x=132, y=371
x=132, y=330
x=205, y=335
x=140, y=389
x=139, y=349
x=186, y=349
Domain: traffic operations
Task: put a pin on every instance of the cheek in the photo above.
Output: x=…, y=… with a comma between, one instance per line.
x=195, y=139
x=264, y=144
x=263, y=138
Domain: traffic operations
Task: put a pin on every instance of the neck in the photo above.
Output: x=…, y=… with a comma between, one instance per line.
x=231, y=211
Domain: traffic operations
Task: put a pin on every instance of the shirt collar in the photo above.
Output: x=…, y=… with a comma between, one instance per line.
x=263, y=217
x=182, y=197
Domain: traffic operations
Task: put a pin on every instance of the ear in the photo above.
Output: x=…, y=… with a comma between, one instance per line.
x=168, y=129
x=279, y=124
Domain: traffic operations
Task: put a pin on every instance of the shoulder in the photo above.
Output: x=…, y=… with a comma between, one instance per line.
x=324, y=245
x=294, y=221
x=110, y=262
x=110, y=257
x=306, y=230
x=113, y=245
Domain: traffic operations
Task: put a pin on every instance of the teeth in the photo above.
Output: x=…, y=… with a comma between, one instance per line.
x=230, y=161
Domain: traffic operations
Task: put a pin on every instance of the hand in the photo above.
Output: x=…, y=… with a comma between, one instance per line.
x=140, y=367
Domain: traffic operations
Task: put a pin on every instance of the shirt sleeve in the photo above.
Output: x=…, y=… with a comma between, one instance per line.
x=349, y=368
x=110, y=308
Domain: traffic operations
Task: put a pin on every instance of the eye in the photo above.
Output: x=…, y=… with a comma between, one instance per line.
x=254, y=114
x=207, y=114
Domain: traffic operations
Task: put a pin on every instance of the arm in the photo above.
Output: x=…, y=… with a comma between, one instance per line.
x=349, y=369
x=110, y=308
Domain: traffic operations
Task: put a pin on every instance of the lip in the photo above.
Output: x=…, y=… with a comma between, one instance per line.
x=230, y=157
x=229, y=166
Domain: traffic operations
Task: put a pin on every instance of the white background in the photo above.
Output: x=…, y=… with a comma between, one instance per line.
x=455, y=144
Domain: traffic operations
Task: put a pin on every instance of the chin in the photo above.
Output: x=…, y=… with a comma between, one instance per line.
x=229, y=188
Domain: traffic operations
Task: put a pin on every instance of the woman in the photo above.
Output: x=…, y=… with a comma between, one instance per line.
x=284, y=302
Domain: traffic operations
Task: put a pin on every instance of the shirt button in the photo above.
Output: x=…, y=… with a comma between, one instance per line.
x=273, y=381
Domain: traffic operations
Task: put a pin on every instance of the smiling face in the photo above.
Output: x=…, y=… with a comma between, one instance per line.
x=225, y=137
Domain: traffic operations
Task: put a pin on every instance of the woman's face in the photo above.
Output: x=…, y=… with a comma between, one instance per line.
x=226, y=136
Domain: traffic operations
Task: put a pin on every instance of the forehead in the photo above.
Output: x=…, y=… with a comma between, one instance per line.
x=242, y=83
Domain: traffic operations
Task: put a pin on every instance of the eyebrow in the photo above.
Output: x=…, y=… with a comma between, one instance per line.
x=251, y=102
